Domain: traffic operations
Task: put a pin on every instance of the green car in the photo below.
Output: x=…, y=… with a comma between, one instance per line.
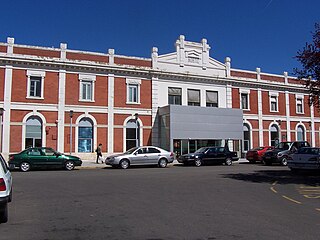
x=42, y=157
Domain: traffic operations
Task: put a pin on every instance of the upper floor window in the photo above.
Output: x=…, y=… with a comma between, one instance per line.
x=35, y=84
x=87, y=87
x=86, y=90
x=133, y=91
x=274, y=103
x=299, y=104
x=211, y=99
x=35, y=87
x=174, y=96
x=193, y=97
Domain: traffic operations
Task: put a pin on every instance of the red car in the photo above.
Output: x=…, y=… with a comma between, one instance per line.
x=256, y=154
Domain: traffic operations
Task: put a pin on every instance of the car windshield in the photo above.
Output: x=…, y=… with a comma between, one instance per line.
x=131, y=150
x=283, y=145
x=201, y=150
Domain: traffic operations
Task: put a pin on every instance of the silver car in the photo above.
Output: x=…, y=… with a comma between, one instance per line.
x=305, y=158
x=145, y=155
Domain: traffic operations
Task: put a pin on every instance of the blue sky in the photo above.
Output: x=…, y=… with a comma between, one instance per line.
x=254, y=33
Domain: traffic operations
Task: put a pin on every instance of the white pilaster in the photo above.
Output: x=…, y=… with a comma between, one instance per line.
x=258, y=70
x=154, y=56
x=288, y=115
x=10, y=42
x=313, y=134
x=63, y=51
x=110, y=112
x=111, y=56
x=61, y=110
x=260, y=117
x=7, y=112
x=180, y=50
x=229, y=96
x=228, y=66
x=285, y=74
x=155, y=104
x=205, y=53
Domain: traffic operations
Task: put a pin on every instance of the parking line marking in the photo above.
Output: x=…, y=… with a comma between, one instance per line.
x=273, y=184
x=292, y=200
x=273, y=190
x=310, y=196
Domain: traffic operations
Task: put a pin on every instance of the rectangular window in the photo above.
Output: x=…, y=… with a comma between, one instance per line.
x=211, y=99
x=299, y=104
x=245, y=101
x=174, y=96
x=193, y=97
x=86, y=87
x=273, y=103
x=133, y=93
x=35, y=87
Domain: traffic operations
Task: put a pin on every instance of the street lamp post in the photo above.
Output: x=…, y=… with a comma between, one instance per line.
x=310, y=127
x=1, y=117
x=136, y=116
x=71, y=115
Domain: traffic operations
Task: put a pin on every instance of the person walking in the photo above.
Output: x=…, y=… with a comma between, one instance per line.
x=99, y=153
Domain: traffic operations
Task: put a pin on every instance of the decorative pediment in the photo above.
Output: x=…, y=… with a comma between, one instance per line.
x=190, y=57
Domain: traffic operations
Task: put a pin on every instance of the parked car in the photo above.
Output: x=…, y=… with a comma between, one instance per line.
x=42, y=157
x=305, y=158
x=209, y=154
x=257, y=153
x=5, y=189
x=281, y=152
x=145, y=155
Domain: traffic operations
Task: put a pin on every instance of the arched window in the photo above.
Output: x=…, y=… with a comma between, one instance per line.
x=33, y=132
x=85, y=135
x=300, y=133
x=132, y=134
x=274, y=135
x=246, y=137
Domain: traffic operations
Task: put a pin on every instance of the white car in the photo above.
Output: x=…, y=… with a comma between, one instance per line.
x=307, y=158
x=145, y=155
x=5, y=189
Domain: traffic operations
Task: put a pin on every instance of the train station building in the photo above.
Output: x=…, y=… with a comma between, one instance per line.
x=72, y=100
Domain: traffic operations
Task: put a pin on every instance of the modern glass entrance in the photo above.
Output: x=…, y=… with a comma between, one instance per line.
x=184, y=146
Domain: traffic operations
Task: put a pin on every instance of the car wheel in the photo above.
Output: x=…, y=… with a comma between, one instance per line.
x=4, y=214
x=124, y=164
x=162, y=163
x=198, y=162
x=25, y=166
x=69, y=165
x=228, y=162
x=284, y=161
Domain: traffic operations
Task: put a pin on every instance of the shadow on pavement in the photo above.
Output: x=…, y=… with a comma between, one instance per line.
x=311, y=178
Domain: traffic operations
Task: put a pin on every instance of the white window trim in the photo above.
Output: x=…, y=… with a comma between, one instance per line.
x=300, y=97
x=272, y=95
x=133, y=81
x=35, y=73
x=86, y=78
x=245, y=91
x=125, y=135
x=76, y=127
